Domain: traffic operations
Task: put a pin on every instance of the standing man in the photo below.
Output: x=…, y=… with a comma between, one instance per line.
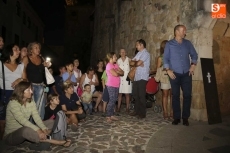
x=142, y=62
x=177, y=54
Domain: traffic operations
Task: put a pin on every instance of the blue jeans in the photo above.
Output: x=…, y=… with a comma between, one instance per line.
x=183, y=81
x=88, y=106
x=39, y=98
x=113, y=95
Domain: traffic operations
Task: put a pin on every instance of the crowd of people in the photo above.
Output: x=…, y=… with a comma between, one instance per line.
x=31, y=108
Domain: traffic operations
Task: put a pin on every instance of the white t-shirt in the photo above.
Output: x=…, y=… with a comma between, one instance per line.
x=10, y=76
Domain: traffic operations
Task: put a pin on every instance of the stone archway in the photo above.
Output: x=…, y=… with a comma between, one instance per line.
x=212, y=42
x=221, y=58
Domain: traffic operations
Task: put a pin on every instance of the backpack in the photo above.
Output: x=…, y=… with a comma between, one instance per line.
x=59, y=131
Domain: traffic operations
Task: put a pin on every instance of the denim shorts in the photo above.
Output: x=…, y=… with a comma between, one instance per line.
x=105, y=96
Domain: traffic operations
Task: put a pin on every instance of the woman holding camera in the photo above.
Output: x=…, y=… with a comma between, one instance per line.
x=35, y=70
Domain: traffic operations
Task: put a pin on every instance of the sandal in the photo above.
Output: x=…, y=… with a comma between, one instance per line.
x=108, y=120
x=165, y=115
x=113, y=118
x=66, y=143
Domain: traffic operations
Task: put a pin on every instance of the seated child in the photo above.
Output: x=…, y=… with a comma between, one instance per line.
x=53, y=106
x=86, y=98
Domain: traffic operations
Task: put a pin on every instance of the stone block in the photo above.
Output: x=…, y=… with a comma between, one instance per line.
x=220, y=28
x=198, y=73
x=227, y=34
x=199, y=114
x=205, y=52
x=204, y=37
x=207, y=21
x=151, y=27
x=198, y=96
x=198, y=101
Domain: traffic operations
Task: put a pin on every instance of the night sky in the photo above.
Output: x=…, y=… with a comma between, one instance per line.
x=52, y=13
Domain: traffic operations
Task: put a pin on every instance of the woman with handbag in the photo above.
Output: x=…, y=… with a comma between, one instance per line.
x=125, y=86
x=13, y=71
x=35, y=70
x=165, y=84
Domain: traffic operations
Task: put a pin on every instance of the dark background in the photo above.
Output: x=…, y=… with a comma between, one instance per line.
x=52, y=13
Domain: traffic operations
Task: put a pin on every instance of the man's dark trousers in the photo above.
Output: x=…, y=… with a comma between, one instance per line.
x=183, y=81
x=139, y=92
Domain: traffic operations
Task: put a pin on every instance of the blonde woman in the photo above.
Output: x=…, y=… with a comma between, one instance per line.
x=35, y=70
x=165, y=86
x=125, y=86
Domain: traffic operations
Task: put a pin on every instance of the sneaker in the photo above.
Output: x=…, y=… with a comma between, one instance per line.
x=91, y=114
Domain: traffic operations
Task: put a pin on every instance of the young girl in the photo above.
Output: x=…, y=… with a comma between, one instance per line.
x=86, y=98
x=53, y=107
x=113, y=82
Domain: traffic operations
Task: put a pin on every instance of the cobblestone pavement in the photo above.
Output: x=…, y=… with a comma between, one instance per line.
x=128, y=135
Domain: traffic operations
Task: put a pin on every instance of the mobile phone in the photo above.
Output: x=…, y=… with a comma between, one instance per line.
x=48, y=137
x=48, y=59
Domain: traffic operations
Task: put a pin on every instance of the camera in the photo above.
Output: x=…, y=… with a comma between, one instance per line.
x=48, y=59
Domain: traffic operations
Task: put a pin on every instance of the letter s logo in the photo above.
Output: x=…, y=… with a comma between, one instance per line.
x=215, y=8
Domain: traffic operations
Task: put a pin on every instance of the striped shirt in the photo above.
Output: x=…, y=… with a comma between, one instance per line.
x=142, y=73
x=18, y=116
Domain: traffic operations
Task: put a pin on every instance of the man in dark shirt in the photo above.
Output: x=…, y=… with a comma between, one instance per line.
x=177, y=54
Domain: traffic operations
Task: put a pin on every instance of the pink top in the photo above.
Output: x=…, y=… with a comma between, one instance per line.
x=112, y=80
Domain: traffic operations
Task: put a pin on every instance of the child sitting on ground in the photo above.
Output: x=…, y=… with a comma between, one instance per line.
x=86, y=98
x=53, y=107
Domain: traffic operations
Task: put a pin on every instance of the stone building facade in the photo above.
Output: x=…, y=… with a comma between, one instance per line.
x=119, y=23
x=19, y=23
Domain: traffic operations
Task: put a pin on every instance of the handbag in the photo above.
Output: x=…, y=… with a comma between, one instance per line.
x=79, y=91
x=161, y=75
x=49, y=77
x=131, y=73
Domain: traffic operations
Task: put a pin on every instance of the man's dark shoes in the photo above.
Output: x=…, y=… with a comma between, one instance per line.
x=133, y=113
x=176, y=121
x=185, y=122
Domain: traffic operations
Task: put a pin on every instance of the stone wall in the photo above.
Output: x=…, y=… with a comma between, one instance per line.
x=119, y=23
